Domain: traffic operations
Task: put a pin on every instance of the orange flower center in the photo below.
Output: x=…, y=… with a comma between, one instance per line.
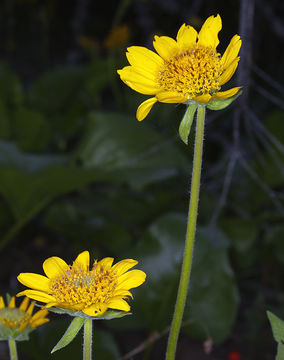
x=194, y=72
x=78, y=289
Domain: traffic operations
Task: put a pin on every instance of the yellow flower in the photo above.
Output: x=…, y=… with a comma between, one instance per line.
x=16, y=323
x=183, y=70
x=80, y=288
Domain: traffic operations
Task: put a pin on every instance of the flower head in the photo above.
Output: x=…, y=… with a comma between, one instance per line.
x=186, y=69
x=80, y=288
x=17, y=323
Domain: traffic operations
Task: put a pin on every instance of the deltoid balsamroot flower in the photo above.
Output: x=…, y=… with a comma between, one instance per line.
x=183, y=70
x=90, y=291
x=17, y=323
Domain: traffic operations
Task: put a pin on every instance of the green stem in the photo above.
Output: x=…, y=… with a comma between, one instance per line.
x=190, y=234
x=13, y=350
x=88, y=330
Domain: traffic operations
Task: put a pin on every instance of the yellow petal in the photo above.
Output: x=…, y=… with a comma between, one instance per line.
x=122, y=293
x=24, y=304
x=226, y=94
x=232, y=51
x=165, y=46
x=145, y=59
x=54, y=266
x=144, y=108
x=229, y=72
x=131, y=73
x=105, y=263
x=39, y=314
x=131, y=279
x=12, y=303
x=30, y=309
x=82, y=261
x=95, y=310
x=205, y=98
x=34, y=281
x=2, y=304
x=37, y=295
x=122, y=266
x=137, y=81
x=170, y=97
x=118, y=303
x=208, y=35
x=186, y=37
x=39, y=322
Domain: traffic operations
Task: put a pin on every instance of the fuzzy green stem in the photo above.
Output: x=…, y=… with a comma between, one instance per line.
x=190, y=235
x=88, y=334
x=13, y=350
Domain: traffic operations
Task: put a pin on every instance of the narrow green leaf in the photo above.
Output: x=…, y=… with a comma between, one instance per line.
x=185, y=125
x=69, y=334
x=220, y=104
x=280, y=352
x=277, y=326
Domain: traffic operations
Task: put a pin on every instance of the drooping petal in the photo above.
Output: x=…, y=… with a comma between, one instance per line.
x=54, y=266
x=143, y=58
x=226, y=94
x=205, y=98
x=83, y=261
x=165, y=46
x=208, y=35
x=229, y=72
x=12, y=303
x=24, y=304
x=105, y=263
x=144, y=108
x=131, y=279
x=39, y=314
x=186, y=37
x=35, y=281
x=122, y=266
x=39, y=322
x=232, y=51
x=37, y=295
x=118, y=303
x=30, y=309
x=171, y=97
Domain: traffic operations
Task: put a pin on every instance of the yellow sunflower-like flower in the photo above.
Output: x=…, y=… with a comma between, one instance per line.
x=183, y=70
x=80, y=288
x=17, y=322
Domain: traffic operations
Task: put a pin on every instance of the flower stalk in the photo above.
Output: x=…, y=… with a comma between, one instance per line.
x=13, y=350
x=88, y=333
x=190, y=235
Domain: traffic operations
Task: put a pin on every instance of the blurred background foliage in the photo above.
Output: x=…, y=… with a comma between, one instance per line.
x=78, y=172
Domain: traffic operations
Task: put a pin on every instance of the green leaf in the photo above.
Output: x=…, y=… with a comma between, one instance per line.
x=129, y=150
x=280, y=351
x=277, y=326
x=53, y=91
x=220, y=104
x=30, y=129
x=185, y=125
x=70, y=333
x=213, y=297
